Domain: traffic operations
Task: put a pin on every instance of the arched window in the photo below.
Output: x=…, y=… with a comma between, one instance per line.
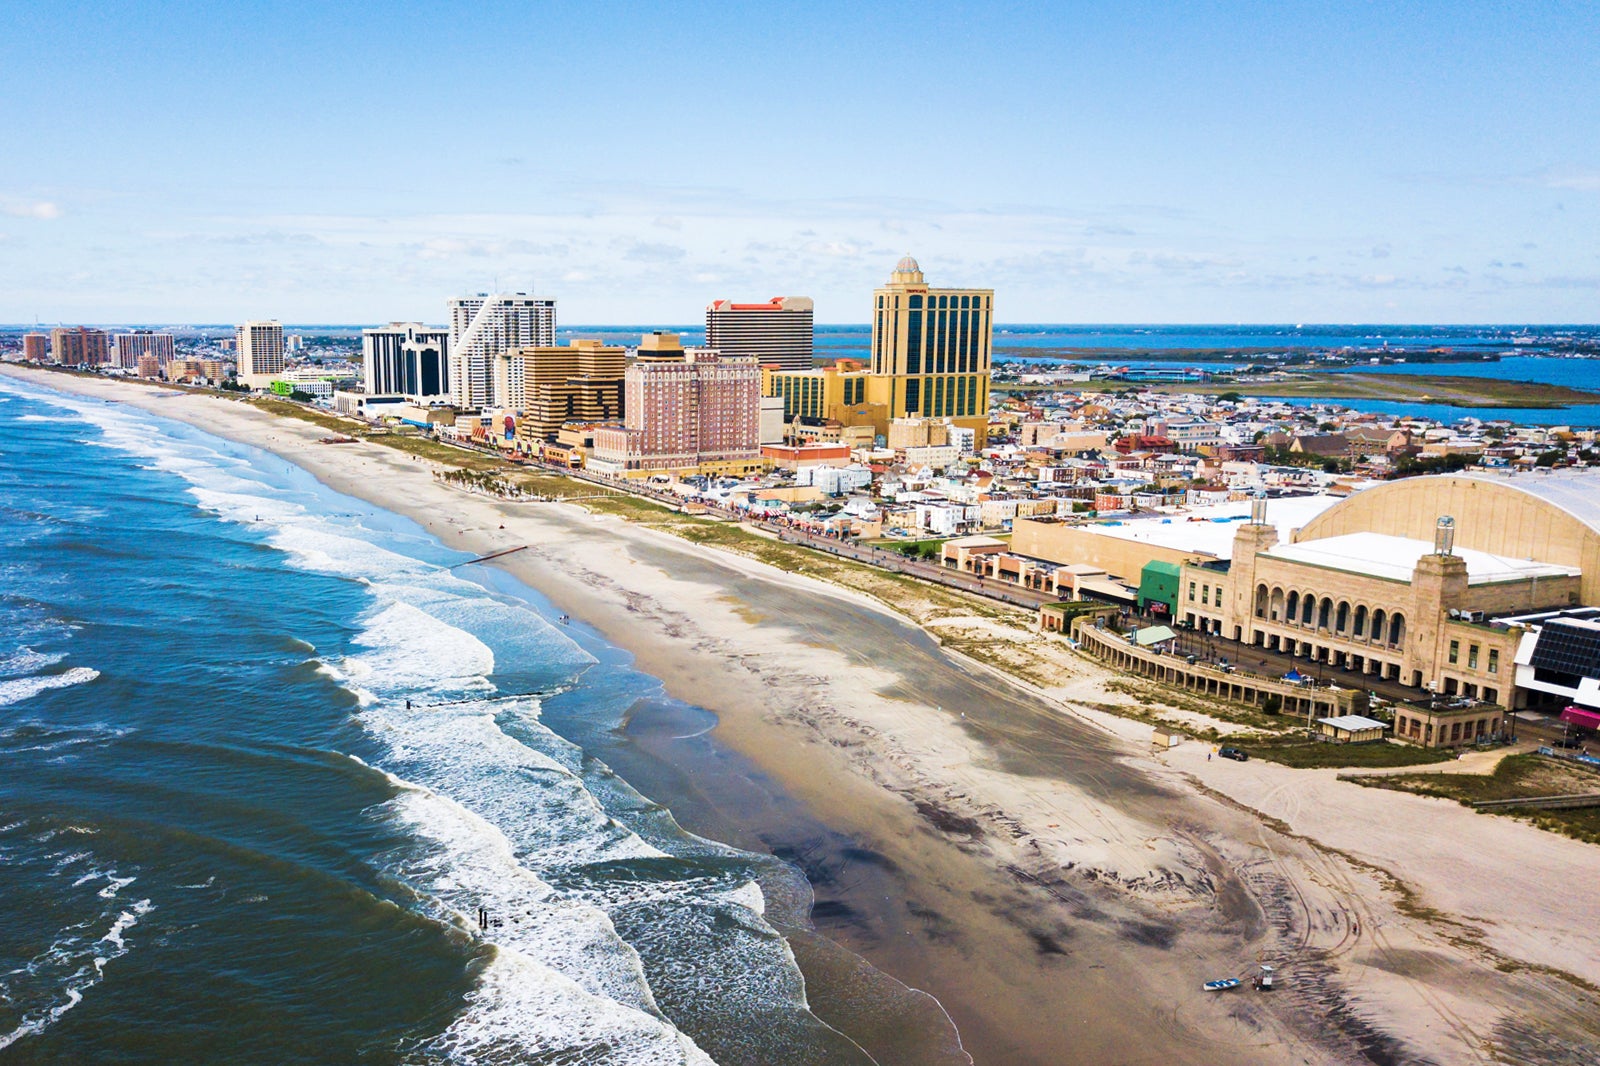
x=1397, y=629
x=1360, y=628
x=1308, y=604
x=1294, y=606
x=1342, y=618
x=1324, y=612
x=1261, y=601
x=1380, y=621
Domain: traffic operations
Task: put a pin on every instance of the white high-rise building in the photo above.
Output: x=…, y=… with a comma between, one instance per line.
x=776, y=333
x=407, y=359
x=483, y=327
x=130, y=346
x=260, y=348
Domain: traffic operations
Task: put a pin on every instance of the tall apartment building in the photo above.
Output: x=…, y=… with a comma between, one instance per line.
x=260, y=349
x=931, y=350
x=36, y=347
x=141, y=342
x=80, y=346
x=551, y=386
x=484, y=326
x=776, y=333
x=407, y=359
x=684, y=409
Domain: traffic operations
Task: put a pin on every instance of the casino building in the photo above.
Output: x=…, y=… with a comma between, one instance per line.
x=1448, y=585
x=931, y=356
x=931, y=350
x=1432, y=582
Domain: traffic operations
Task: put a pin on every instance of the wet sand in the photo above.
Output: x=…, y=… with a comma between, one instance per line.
x=1059, y=891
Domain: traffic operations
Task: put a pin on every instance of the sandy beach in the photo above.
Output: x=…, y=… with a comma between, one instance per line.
x=1060, y=888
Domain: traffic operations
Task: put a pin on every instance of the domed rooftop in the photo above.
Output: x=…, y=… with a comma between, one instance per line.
x=906, y=272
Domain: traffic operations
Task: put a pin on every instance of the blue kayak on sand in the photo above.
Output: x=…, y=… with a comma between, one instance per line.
x=1221, y=986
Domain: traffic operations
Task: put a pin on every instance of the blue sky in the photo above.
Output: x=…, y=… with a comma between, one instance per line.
x=1200, y=162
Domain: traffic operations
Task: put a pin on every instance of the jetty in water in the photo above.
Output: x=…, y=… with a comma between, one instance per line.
x=491, y=555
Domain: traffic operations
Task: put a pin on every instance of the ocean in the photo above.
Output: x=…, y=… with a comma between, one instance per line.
x=277, y=784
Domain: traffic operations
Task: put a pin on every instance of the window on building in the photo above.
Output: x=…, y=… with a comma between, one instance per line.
x=1455, y=652
x=1472, y=657
x=1205, y=595
x=1191, y=592
x=1494, y=660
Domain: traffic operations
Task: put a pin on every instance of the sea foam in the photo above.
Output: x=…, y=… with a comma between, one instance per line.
x=15, y=690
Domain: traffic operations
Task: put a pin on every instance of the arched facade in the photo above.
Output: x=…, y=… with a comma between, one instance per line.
x=1368, y=616
x=1552, y=517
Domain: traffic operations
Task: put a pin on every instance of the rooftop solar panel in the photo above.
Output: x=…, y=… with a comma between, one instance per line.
x=1568, y=649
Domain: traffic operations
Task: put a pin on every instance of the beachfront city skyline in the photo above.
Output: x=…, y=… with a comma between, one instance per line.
x=1231, y=163
x=610, y=534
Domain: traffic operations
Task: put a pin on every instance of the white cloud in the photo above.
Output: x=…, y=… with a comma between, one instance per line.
x=44, y=210
x=1580, y=179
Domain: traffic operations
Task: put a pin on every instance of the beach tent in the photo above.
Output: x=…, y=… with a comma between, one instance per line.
x=1294, y=677
x=1153, y=635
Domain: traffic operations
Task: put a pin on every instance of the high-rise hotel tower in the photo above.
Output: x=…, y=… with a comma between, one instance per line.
x=260, y=350
x=484, y=326
x=776, y=333
x=131, y=347
x=931, y=350
x=407, y=359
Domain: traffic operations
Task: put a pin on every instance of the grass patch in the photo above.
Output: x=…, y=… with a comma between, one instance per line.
x=555, y=486
x=435, y=451
x=1151, y=694
x=286, y=409
x=918, y=600
x=1517, y=777
x=1300, y=751
x=1419, y=388
x=1007, y=658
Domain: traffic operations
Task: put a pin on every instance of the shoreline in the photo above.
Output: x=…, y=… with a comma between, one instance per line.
x=1066, y=890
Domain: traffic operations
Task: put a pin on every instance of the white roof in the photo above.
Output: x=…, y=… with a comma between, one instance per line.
x=1153, y=635
x=1575, y=491
x=1210, y=530
x=1394, y=558
x=1352, y=722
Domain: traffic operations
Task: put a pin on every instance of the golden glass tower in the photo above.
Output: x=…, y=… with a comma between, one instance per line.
x=931, y=350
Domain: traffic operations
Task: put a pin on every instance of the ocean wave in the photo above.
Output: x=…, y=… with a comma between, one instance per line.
x=55, y=980
x=26, y=660
x=403, y=649
x=15, y=690
x=559, y=980
x=519, y=1008
x=541, y=803
x=31, y=735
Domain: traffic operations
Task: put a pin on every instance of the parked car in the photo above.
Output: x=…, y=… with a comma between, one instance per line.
x=1235, y=754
